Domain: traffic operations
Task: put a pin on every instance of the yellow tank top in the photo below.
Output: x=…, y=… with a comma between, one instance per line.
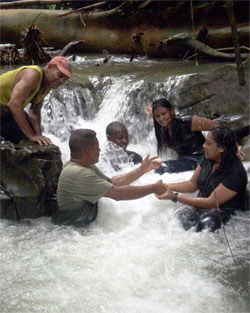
x=7, y=84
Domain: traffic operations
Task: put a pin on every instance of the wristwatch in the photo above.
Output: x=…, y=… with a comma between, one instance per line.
x=175, y=197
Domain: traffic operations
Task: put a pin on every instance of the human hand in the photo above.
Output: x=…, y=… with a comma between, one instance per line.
x=42, y=140
x=159, y=188
x=168, y=194
x=240, y=153
x=149, y=164
x=148, y=110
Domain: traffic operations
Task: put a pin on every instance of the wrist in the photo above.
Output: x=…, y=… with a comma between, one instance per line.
x=142, y=170
x=175, y=197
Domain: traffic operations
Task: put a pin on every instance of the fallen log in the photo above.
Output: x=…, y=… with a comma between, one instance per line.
x=113, y=31
x=69, y=47
x=32, y=52
x=186, y=42
x=28, y=3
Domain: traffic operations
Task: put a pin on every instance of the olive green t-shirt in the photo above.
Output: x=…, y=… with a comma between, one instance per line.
x=78, y=191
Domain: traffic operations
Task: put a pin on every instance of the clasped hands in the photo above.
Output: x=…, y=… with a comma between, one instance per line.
x=164, y=192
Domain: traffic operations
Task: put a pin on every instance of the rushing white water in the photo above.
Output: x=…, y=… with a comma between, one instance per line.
x=135, y=258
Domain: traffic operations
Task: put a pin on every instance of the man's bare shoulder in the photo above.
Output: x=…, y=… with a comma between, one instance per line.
x=30, y=76
x=30, y=73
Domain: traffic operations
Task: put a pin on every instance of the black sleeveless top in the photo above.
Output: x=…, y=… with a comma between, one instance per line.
x=234, y=177
x=184, y=141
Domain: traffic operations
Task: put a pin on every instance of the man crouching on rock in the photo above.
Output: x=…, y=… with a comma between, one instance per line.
x=28, y=84
x=82, y=184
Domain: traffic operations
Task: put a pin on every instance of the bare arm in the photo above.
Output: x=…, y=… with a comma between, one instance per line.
x=201, y=123
x=21, y=91
x=26, y=82
x=187, y=186
x=134, y=192
x=35, y=117
x=147, y=165
x=220, y=195
x=240, y=153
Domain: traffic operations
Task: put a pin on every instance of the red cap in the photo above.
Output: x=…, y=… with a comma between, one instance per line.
x=63, y=65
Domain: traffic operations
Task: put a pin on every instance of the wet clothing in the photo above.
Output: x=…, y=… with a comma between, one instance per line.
x=116, y=156
x=202, y=219
x=233, y=177
x=9, y=129
x=185, y=142
x=181, y=165
x=134, y=157
x=78, y=191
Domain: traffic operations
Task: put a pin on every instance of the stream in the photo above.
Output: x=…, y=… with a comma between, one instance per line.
x=136, y=257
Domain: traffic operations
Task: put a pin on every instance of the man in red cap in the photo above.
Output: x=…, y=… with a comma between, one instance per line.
x=28, y=84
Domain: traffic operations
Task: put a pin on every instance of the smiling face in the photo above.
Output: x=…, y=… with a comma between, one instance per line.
x=212, y=151
x=55, y=77
x=120, y=137
x=163, y=116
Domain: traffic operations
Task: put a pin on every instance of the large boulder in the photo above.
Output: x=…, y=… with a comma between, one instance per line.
x=216, y=94
x=29, y=177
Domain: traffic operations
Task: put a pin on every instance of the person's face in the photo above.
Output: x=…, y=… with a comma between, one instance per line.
x=212, y=151
x=94, y=151
x=120, y=137
x=163, y=116
x=55, y=77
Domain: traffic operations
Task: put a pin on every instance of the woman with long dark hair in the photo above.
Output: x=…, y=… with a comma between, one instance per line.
x=221, y=180
x=181, y=134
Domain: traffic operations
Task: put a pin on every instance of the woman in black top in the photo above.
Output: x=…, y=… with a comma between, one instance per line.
x=221, y=180
x=181, y=134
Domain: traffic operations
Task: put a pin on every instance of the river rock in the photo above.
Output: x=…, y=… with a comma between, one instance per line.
x=29, y=177
x=216, y=94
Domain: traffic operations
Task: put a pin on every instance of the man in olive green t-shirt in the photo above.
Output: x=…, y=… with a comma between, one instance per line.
x=82, y=184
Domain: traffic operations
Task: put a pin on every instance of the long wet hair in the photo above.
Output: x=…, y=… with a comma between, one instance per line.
x=161, y=133
x=225, y=138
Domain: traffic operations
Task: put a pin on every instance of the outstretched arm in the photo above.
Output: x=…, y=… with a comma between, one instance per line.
x=187, y=186
x=219, y=196
x=201, y=123
x=147, y=165
x=134, y=192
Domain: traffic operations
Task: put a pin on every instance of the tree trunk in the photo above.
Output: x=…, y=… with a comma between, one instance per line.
x=18, y=4
x=116, y=31
x=235, y=37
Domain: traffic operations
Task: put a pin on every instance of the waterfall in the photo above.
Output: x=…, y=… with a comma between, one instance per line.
x=103, y=100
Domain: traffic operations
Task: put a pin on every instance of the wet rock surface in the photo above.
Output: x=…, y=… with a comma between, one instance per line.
x=29, y=177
